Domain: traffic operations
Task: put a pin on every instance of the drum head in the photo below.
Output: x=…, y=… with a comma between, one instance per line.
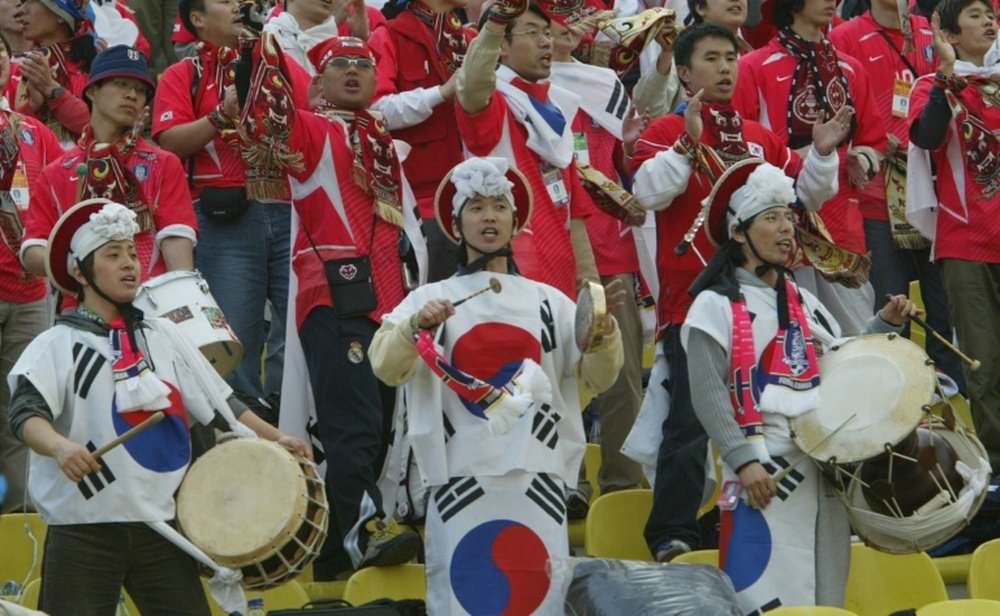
x=872, y=390
x=242, y=500
x=590, y=311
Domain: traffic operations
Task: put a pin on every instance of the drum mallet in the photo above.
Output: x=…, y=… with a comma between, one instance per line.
x=494, y=286
x=788, y=469
x=149, y=422
x=972, y=363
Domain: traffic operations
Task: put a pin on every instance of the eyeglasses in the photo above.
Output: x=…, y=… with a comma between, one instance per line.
x=127, y=85
x=536, y=34
x=342, y=64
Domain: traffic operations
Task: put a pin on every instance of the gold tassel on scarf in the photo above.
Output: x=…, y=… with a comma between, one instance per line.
x=903, y=234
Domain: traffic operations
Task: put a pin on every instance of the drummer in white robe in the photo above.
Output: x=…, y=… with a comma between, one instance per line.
x=754, y=335
x=99, y=371
x=493, y=389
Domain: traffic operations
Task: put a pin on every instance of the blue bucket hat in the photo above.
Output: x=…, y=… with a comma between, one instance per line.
x=120, y=61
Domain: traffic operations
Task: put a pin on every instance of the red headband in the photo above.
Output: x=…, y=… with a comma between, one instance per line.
x=335, y=47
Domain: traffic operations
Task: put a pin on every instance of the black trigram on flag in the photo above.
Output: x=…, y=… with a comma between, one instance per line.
x=95, y=482
x=773, y=604
x=543, y=426
x=549, y=331
x=449, y=430
x=87, y=363
x=618, y=102
x=789, y=482
x=456, y=495
x=549, y=496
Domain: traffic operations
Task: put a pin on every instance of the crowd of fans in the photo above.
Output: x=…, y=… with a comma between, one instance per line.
x=281, y=149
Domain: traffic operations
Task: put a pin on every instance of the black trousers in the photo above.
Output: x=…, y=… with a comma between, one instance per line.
x=354, y=415
x=680, y=464
x=86, y=565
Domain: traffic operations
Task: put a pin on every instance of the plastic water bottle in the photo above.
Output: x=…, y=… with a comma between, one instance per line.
x=256, y=607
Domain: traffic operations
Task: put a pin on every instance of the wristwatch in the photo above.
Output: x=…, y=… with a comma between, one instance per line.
x=56, y=92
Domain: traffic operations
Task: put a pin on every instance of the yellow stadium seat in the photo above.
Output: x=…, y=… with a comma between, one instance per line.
x=398, y=582
x=615, y=523
x=953, y=569
x=917, y=333
x=29, y=594
x=592, y=464
x=984, y=572
x=880, y=583
x=961, y=607
x=810, y=610
x=698, y=557
x=325, y=590
x=19, y=553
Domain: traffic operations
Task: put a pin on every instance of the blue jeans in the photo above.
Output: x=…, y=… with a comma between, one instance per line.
x=892, y=271
x=246, y=262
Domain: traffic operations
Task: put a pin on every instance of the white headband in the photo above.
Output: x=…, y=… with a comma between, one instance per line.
x=480, y=176
x=766, y=187
x=113, y=222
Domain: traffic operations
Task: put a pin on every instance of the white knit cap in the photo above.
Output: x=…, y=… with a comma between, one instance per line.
x=765, y=188
x=113, y=222
x=480, y=176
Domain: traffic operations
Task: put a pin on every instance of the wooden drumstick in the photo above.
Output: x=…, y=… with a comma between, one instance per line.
x=972, y=363
x=149, y=422
x=784, y=472
x=494, y=286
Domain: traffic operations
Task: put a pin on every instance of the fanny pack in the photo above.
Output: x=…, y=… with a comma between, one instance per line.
x=350, y=280
x=223, y=204
x=351, y=286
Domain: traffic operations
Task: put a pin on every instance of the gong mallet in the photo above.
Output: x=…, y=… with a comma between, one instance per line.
x=972, y=363
x=147, y=423
x=494, y=286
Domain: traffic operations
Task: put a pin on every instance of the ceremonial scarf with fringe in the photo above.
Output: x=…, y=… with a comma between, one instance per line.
x=742, y=375
x=447, y=34
x=480, y=395
x=377, y=169
x=11, y=229
x=268, y=111
x=136, y=387
x=631, y=35
x=904, y=235
x=107, y=174
x=817, y=84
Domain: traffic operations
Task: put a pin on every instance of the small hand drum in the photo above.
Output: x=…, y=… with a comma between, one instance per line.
x=591, y=309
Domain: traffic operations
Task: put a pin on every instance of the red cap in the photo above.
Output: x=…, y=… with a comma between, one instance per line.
x=337, y=46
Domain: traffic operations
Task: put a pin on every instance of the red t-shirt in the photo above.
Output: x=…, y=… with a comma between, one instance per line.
x=611, y=239
x=762, y=94
x=678, y=272
x=862, y=39
x=543, y=250
x=407, y=59
x=164, y=185
x=968, y=224
x=37, y=147
x=219, y=163
x=338, y=216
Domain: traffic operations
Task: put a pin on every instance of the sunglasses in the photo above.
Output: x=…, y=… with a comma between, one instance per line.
x=342, y=63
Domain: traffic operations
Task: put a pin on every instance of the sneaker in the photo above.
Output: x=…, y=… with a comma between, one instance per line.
x=669, y=550
x=577, y=505
x=389, y=544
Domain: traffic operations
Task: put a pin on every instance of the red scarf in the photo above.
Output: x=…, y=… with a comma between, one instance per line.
x=107, y=174
x=817, y=84
x=480, y=395
x=11, y=229
x=136, y=387
x=268, y=111
x=790, y=386
x=448, y=36
x=981, y=146
x=376, y=169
